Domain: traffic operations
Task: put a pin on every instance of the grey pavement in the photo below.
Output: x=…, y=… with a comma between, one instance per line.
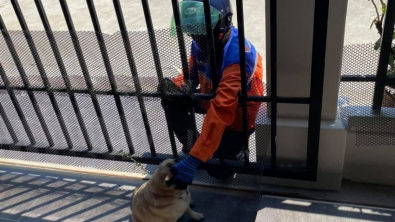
x=359, y=17
x=41, y=196
x=29, y=194
x=296, y=210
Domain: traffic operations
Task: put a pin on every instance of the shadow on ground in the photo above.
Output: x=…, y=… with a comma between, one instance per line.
x=285, y=209
x=39, y=195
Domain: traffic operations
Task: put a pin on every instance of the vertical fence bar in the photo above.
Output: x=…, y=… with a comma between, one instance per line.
x=155, y=53
x=273, y=82
x=62, y=69
x=133, y=69
x=110, y=74
x=213, y=57
x=11, y=93
x=85, y=72
x=240, y=22
x=385, y=52
x=211, y=44
x=8, y=124
x=184, y=61
x=321, y=11
x=43, y=75
x=21, y=71
x=27, y=85
x=180, y=37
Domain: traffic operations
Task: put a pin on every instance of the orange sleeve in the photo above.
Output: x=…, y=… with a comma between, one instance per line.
x=179, y=80
x=220, y=114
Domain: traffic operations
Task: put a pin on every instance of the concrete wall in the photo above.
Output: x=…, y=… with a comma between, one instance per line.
x=294, y=48
x=370, y=153
x=295, y=38
x=369, y=164
x=292, y=145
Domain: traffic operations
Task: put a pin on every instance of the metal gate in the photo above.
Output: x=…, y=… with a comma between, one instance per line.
x=74, y=113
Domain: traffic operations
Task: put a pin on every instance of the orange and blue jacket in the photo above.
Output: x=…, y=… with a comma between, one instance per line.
x=224, y=111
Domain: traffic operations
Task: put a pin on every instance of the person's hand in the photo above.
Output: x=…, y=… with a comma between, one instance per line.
x=184, y=172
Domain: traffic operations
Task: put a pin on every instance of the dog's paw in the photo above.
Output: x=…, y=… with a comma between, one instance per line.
x=197, y=216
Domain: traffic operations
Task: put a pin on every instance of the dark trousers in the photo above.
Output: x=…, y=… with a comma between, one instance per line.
x=178, y=111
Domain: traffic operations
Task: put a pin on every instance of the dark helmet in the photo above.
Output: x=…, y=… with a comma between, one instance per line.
x=193, y=19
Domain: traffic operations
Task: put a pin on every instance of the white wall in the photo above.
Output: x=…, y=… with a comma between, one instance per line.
x=295, y=21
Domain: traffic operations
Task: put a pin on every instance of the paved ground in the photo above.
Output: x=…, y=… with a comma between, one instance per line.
x=41, y=196
x=359, y=17
x=296, y=210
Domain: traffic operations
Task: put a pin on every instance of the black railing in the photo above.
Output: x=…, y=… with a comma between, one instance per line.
x=85, y=73
x=381, y=78
x=247, y=167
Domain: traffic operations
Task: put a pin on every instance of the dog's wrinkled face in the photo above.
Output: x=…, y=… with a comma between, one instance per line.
x=164, y=171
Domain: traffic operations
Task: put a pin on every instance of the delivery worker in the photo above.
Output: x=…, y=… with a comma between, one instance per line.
x=223, y=120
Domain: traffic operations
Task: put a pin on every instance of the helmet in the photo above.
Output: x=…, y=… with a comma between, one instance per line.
x=193, y=19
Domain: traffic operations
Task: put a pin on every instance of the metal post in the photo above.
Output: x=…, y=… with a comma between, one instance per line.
x=85, y=72
x=211, y=45
x=317, y=84
x=240, y=22
x=273, y=82
x=7, y=123
x=213, y=57
x=14, y=100
x=158, y=67
x=110, y=74
x=185, y=68
x=385, y=52
x=136, y=81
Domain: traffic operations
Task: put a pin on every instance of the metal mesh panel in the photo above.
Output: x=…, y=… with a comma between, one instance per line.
x=51, y=120
x=71, y=121
x=7, y=61
x=360, y=60
x=6, y=138
x=31, y=117
x=171, y=66
x=69, y=59
x=13, y=118
x=356, y=99
x=91, y=122
x=94, y=61
x=113, y=123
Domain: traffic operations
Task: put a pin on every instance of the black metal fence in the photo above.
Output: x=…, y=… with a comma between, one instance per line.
x=367, y=88
x=381, y=79
x=309, y=172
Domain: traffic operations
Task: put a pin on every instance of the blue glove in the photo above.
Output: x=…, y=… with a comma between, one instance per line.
x=184, y=172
